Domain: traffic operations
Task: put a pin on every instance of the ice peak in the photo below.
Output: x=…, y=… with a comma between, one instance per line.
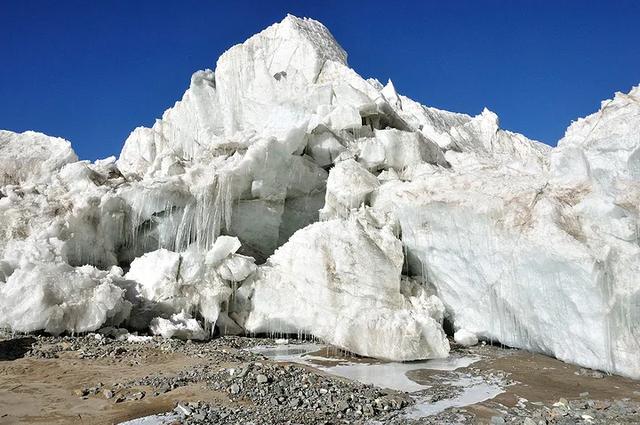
x=314, y=32
x=294, y=44
x=489, y=114
x=390, y=93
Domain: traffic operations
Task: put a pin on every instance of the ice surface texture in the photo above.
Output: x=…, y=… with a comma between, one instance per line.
x=284, y=193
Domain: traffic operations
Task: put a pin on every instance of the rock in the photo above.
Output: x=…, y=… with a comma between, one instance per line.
x=341, y=406
x=81, y=392
x=183, y=409
x=601, y=404
x=199, y=416
x=262, y=379
x=139, y=395
x=497, y=420
x=108, y=394
x=294, y=402
x=235, y=388
x=368, y=410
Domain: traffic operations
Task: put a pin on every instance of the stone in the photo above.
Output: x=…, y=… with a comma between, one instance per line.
x=497, y=420
x=235, y=388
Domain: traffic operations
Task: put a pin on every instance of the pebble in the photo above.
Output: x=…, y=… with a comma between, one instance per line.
x=81, y=392
x=341, y=406
x=497, y=420
x=136, y=396
x=182, y=409
x=294, y=402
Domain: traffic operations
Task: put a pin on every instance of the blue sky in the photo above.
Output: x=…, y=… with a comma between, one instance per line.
x=91, y=71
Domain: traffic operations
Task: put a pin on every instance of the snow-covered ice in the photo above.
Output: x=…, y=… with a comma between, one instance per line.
x=284, y=193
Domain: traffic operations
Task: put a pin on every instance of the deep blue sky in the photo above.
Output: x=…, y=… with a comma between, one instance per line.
x=91, y=71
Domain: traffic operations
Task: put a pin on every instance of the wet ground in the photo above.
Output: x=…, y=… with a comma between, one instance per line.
x=98, y=380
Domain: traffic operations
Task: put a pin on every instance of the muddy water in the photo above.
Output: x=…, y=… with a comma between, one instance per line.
x=456, y=389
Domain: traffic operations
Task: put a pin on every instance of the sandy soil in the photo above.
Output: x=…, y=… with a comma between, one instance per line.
x=42, y=391
x=542, y=379
x=45, y=390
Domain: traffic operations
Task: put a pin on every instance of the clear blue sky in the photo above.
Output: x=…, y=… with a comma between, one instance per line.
x=91, y=71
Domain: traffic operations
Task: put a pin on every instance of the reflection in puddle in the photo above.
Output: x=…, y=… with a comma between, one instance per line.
x=475, y=391
x=390, y=375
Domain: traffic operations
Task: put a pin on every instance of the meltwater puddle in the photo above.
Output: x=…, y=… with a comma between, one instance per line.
x=159, y=419
x=393, y=375
x=474, y=390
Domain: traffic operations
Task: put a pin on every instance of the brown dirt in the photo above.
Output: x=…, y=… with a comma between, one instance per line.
x=41, y=391
x=542, y=379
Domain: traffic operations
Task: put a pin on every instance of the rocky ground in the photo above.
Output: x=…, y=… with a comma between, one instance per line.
x=102, y=380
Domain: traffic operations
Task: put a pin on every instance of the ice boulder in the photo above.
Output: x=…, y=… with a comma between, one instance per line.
x=392, y=148
x=222, y=248
x=181, y=326
x=340, y=280
x=466, y=338
x=349, y=186
x=236, y=268
x=167, y=282
x=57, y=298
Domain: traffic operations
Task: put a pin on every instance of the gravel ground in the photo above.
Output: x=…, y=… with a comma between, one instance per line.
x=231, y=385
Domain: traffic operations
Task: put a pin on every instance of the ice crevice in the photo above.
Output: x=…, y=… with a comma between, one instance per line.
x=286, y=194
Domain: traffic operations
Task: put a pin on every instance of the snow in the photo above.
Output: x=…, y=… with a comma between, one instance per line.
x=284, y=193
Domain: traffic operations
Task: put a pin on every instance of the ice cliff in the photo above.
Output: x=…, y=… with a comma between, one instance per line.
x=284, y=193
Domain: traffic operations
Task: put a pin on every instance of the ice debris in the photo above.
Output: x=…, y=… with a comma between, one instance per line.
x=181, y=326
x=466, y=338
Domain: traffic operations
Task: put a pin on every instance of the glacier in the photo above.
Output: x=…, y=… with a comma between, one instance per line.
x=286, y=194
